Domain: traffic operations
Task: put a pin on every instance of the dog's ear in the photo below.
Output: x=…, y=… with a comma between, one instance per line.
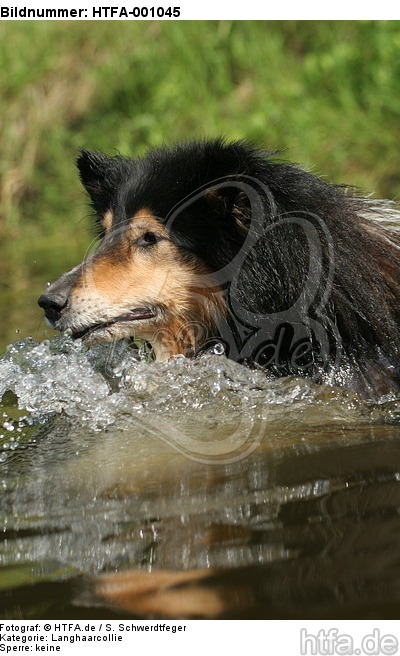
x=230, y=201
x=100, y=175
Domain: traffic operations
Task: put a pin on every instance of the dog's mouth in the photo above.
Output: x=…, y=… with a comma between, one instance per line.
x=137, y=314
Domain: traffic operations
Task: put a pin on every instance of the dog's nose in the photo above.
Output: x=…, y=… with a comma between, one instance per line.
x=53, y=304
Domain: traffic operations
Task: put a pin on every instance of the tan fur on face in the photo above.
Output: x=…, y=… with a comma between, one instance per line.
x=128, y=276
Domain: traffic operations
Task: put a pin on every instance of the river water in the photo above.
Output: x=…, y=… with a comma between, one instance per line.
x=193, y=488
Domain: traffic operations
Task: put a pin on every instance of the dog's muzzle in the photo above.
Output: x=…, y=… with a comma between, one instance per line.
x=53, y=305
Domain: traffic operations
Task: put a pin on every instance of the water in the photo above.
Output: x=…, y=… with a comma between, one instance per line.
x=274, y=498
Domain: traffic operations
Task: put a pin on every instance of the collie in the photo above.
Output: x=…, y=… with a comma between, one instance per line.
x=214, y=242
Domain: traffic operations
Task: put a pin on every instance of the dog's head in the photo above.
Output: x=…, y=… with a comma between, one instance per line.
x=168, y=223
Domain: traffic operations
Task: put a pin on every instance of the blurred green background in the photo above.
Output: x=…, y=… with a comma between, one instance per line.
x=328, y=92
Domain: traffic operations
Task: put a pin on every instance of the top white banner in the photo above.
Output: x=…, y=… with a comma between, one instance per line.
x=195, y=10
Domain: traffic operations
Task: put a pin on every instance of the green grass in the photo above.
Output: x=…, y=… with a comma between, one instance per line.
x=329, y=92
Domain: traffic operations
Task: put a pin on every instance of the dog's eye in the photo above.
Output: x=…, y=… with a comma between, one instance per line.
x=148, y=239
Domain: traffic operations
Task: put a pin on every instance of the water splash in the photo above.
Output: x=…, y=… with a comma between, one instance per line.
x=86, y=443
x=116, y=385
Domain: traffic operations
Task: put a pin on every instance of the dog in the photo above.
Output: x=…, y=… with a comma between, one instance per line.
x=219, y=245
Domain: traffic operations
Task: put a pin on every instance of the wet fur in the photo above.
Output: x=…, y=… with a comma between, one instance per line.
x=194, y=198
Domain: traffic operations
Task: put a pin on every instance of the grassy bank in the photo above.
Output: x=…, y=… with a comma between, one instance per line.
x=327, y=91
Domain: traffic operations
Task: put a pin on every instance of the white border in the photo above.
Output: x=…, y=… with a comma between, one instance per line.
x=207, y=10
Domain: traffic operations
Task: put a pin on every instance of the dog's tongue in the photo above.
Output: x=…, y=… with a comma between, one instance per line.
x=135, y=314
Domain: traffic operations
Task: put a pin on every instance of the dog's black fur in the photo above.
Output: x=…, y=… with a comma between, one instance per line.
x=308, y=275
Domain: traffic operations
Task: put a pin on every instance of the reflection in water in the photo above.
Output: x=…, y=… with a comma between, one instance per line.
x=119, y=499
